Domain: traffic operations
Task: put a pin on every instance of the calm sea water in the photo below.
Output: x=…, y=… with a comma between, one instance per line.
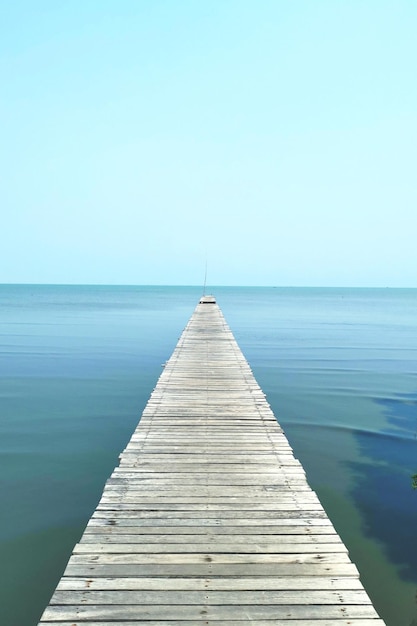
x=78, y=363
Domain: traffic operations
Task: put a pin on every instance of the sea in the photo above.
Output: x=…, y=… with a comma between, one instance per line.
x=78, y=364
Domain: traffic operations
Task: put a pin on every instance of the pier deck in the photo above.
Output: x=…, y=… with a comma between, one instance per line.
x=209, y=519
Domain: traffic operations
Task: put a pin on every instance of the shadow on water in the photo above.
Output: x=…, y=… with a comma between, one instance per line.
x=383, y=491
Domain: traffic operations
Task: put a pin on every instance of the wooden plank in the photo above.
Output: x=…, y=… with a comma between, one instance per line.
x=263, y=622
x=207, y=487
x=113, y=535
x=213, y=548
x=125, y=569
x=209, y=597
x=243, y=583
x=103, y=527
x=211, y=557
x=269, y=498
x=127, y=518
x=254, y=508
x=210, y=515
x=211, y=467
x=204, y=612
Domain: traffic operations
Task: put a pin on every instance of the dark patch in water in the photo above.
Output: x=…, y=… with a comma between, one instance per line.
x=402, y=413
x=383, y=491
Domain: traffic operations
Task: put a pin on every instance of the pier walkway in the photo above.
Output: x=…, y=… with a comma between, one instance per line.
x=209, y=520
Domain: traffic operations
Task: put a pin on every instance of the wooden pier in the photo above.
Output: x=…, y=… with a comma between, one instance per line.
x=209, y=519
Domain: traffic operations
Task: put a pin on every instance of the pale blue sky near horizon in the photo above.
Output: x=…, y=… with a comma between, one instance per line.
x=276, y=140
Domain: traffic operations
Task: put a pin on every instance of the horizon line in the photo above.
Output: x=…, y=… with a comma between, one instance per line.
x=196, y=286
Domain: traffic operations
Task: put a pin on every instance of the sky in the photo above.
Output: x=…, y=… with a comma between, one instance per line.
x=273, y=140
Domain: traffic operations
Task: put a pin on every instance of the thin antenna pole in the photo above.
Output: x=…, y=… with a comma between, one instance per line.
x=205, y=279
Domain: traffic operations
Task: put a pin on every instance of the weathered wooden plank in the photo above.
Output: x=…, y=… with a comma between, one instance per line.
x=214, y=548
x=222, y=446
x=124, y=569
x=210, y=458
x=209, y=597
x=210, y=494
x=130, y=504
x=223, y=468
x=102, y=526
x=281, y=471
x=127, y=518
x=211, y=515
x=208, y=612
x=218, y=435
x=115, y=518
x=242, y=583
x=201, y=486
x=213, y=485
x=211, y=622
x=211, y=557
x=113, y=535
x=266, y=479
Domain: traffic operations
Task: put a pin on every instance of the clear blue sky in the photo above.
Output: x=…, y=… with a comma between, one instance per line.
x=278, y=138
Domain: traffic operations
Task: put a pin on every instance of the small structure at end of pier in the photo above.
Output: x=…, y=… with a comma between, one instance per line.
x=207, y=300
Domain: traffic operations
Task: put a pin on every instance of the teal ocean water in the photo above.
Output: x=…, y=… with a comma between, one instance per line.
x=78, y=363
